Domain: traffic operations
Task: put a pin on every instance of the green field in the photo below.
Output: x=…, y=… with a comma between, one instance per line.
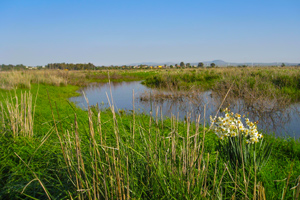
x=51, y=149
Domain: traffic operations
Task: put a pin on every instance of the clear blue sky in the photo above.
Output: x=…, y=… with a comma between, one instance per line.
x=114, y=32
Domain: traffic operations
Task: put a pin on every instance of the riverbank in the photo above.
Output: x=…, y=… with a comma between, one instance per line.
x=246, y=83
x=268, y=82
x=105, y=154
x=81, y=78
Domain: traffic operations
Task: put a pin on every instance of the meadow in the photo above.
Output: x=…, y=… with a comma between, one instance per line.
x=51, y=149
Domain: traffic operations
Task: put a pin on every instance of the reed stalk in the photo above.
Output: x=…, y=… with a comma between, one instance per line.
x=20, y=114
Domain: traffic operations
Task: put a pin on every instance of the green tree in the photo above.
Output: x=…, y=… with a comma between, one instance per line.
x=188, y=65
x=212, y=64
x=182, y=64
x=200, y=64
x=282, y=65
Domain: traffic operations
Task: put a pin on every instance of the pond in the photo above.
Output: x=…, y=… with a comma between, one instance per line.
x=282, y=121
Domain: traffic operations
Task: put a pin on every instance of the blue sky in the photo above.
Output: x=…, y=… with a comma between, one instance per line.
x=115, y=32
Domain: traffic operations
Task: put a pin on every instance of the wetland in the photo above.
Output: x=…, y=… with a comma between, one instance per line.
x=273, y=118
x=147, y=134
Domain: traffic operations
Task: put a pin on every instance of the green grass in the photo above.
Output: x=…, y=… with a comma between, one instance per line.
x=128, y=155
x=272, y=81
x=183, y=79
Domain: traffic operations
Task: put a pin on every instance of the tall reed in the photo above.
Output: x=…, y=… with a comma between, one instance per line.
x=19, y=112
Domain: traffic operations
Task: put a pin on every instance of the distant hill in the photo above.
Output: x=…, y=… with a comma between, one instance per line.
x=218, y=63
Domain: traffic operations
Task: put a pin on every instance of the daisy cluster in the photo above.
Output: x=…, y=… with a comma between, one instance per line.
x=232, y=126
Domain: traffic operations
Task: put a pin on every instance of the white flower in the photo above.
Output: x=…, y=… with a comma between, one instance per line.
x=232, y=126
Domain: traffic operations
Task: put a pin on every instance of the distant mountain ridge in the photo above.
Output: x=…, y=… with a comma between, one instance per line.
x=218, y=63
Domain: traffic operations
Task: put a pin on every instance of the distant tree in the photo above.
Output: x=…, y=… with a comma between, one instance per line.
x=212, y=64
x=188, y=65
x=282, y=65
x=182, y=64
x=200, y=64
x=12, y=67
x=70, y=66
x=171, y=66
x=176, y=65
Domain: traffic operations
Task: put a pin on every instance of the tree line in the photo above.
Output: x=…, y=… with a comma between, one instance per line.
x=90, y=66
x=12, y=67
x=71, y=66
x=63, y=66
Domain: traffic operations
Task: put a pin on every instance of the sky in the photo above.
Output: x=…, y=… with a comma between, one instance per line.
x=117, y=32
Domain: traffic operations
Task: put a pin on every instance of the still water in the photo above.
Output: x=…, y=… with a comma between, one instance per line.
x=271, y=118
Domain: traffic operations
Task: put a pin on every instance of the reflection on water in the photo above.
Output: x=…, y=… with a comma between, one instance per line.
x=271, y=117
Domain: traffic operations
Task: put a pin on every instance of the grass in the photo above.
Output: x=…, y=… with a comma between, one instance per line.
x=19, y=115
x=24, y=79
x=103, y=154
x=282, y=83
x=272, y=82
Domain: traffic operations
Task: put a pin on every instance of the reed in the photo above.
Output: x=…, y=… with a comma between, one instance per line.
x=20, y=114
x=24, y=79
x=257, y=82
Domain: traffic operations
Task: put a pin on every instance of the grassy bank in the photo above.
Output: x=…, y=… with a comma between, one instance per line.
x=272, y=82
x=103, y=154
x=24, y=79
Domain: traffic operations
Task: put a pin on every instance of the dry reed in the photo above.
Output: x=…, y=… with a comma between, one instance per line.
x=20, y=114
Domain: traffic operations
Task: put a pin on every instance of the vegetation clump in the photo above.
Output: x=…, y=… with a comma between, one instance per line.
x=271, y=82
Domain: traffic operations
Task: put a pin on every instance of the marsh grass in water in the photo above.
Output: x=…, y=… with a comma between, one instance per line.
x=270, y=82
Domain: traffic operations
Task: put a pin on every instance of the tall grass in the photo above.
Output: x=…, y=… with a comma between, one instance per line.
x=24, y=79
x=103, y=154
x=270, y=82
x=19, y=114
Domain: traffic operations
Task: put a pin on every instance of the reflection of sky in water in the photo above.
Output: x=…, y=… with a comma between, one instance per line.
x=282, y=121
x=121, y=93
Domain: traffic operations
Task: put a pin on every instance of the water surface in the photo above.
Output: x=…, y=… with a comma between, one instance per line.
x=271, y=118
